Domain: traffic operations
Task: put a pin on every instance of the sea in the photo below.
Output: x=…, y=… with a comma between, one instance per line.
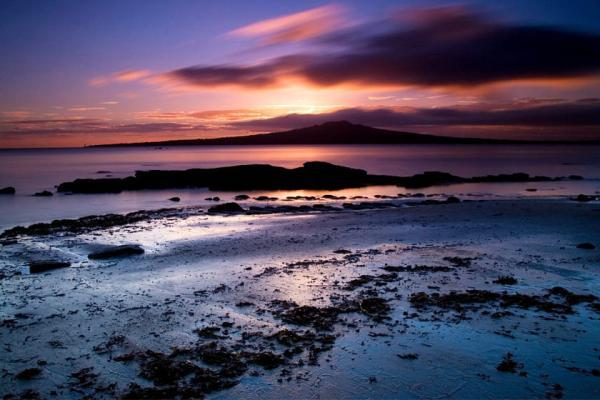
x=34, y=170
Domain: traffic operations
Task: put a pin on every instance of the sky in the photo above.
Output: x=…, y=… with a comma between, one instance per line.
x=75, y=73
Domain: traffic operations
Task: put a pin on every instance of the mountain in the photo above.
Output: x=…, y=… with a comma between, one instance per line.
x=335, y=132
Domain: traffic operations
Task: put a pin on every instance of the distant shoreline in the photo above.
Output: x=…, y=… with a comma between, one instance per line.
x=160, y=147
x=333, y=133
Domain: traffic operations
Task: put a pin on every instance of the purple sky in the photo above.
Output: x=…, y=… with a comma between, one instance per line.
x=75, y=73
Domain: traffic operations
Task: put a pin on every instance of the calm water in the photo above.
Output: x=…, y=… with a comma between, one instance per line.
x=30, y=171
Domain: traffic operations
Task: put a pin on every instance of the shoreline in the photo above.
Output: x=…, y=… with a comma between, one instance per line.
x=256, y=206
x=200, y=271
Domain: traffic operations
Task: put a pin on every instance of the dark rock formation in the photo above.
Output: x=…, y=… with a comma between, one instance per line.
x=116, y=251
x=505, y=280
x=46, y=265
x=175, y=199
x=429, y=178
x=226, y=208
x=265, y=198
x=45, y=193
x=584, y=198
x=87, y=223
x=312, y=175
x=8, y=190
x=586, y=246
x=517, y=177
x=102, y=185
x=29, y=373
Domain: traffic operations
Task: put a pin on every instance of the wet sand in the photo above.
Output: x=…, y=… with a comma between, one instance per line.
x=240, y=281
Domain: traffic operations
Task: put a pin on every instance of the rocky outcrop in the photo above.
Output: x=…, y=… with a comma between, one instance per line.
x=87, y=223
x=116, y=251
x=226, y=208
x=44, y=193
x=8, y=190
x=584, y=198
x=586, y=246
x=46, y=265
x=315, y=175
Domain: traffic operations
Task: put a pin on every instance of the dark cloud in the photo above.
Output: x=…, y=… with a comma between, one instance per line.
x=565, y=114
x=90, y=127
x=438, y=47
x=257, y=76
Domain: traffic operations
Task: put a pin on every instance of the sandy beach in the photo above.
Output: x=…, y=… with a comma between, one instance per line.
x=313, y=305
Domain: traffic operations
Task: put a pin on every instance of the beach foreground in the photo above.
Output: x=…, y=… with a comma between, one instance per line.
x=215, y=306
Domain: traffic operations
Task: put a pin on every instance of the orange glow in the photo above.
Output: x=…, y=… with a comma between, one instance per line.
x=120, y=76
x=294, y=27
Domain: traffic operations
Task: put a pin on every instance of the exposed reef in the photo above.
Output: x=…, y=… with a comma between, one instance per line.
x=315, y=175
x=8, y=190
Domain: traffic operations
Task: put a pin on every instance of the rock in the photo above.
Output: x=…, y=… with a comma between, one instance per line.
x=103, y=185
x=28, y=373
x=213, y=198
x=584, y=198
x=342, y=251
x=117, y=251
x=516, y=177
x=375, y=307
x=174, y=199
x=266, y=359
x=459, y=261
x=408, y=356
x=316, y=175
x=417, y=268
x=241, y=197
x=452, y=200
x=430, y=178
x=506, y=280
x=46, y=265
x=508, y=364
x=333, y=197
x=86, y=223
x=575, y=177
x=586, y=246
x=45, y=193
x=8, y=190
x=265, y=198
x=226, y=208
x=474, y=299
x=570, y=297
x=365, y=205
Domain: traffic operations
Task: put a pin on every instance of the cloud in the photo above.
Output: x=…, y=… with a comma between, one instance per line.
x=77, y=132
x=15, y=114
x=526, y=118
x=380, y=98
x=232, y=114
x=440, y=47
x=120, y=76
x=295, y=27
x=84, y=109
x=90, y=126
x=583, y=113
